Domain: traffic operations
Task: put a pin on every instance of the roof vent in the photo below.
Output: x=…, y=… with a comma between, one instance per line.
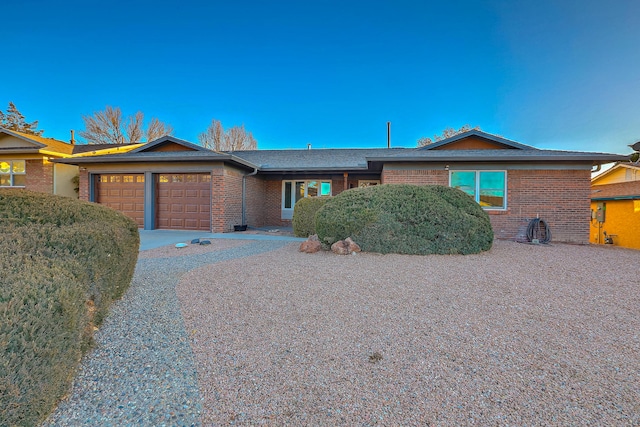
x=308, y=146
x=73, y=139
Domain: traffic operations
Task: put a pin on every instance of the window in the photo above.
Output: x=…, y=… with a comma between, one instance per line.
x=488, y=188
x=292, y=191
x=13, y=173
x=362, y=183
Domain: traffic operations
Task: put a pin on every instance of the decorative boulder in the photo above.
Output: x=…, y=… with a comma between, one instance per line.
x=311, y=245
x=205, y=242
x=345, y=247
x=195, y=241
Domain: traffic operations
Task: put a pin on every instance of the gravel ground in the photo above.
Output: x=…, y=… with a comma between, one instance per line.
x=141, y=371
x=520, y=335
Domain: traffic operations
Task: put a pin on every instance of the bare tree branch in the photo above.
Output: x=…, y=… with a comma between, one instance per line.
x=446, y=133
x=109, y=127
x=158, y=129
x=234, y=139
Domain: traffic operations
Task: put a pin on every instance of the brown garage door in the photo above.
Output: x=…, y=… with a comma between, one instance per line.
x=184, y=201
x=122, y=192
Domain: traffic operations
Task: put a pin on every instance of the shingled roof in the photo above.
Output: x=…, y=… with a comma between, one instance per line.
x=346, y=159
x=617, y=191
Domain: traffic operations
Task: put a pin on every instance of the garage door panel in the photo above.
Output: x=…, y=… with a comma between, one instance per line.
x=191, y=223
x=183, y=201
x=122, y=192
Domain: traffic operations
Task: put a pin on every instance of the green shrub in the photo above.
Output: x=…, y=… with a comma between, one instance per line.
x=406, y=219
x=62, y=263
x=304, y=215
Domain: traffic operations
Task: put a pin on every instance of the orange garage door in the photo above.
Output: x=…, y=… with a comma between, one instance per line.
x=183, y=201
x=124, y=193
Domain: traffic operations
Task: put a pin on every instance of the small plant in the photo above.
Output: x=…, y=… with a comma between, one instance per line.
x=76, y=183
x=375, y=357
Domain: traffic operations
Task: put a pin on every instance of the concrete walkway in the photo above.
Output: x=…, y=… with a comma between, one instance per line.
x=150, y=239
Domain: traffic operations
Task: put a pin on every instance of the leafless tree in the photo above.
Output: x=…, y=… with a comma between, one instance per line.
x=447, y=133
x=110, y=127
x=235, y=139
x=213, y=137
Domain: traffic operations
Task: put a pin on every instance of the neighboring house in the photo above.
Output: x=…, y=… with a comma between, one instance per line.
x=170, y=183
x=615, y=206
x=26, y=162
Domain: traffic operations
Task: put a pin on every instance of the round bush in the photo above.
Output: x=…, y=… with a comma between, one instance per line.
x=304, y=215
x=406, y=219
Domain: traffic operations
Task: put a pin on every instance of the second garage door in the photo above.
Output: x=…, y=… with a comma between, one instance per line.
x=183, y=201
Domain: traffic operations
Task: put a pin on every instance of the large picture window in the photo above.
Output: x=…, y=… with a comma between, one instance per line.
x=292, y=191
x=488, y=188
x=13, y=173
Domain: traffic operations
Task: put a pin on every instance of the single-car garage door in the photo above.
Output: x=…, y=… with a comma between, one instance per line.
x=124, y=193
x=183, y=201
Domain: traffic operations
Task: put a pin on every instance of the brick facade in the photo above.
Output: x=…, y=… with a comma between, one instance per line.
x=39, y=176
x=560, y=197
x=226, y=199
x=83, y=185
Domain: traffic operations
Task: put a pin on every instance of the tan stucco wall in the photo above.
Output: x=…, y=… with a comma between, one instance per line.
x=62, y=180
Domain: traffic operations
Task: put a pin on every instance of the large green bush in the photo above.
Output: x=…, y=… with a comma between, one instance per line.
x=406, y=219
x=62, y=263
x=304, y=215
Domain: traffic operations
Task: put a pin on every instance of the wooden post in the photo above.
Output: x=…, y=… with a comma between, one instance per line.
x=346, y=177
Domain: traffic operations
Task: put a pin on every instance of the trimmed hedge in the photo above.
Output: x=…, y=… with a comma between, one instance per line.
x=304, y=215
x=406, y=219
x=63, y=262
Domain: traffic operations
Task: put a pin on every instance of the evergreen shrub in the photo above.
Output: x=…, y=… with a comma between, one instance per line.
x=304, y=215
x=406, y=219
x=62, y=263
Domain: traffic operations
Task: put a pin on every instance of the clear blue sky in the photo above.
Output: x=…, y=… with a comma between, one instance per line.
x=550, y=73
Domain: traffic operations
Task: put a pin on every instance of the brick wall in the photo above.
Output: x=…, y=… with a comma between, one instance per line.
x=417, y=177
x=226, y=199
x=560, y=197
x=83, y=186
x=273, y=204
x=255, y=201
x=39, y=176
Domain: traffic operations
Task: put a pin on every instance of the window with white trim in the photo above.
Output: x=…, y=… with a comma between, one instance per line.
x=488, y=188
x=292, y=191
x=13, y=173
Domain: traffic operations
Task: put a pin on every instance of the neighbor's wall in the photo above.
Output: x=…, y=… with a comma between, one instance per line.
x=63, y=180
x=39, y=176
x=83, y=186
x=560, y=197
x=622, y=219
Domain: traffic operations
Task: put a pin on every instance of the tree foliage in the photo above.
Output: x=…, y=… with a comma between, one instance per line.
x=14, y=120
x=234, y=139
x=111, y=127
x=447, y=133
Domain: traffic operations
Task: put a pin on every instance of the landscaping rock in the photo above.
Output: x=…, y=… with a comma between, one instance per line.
x=311, y=245
x=345, y=247
x=205, y=242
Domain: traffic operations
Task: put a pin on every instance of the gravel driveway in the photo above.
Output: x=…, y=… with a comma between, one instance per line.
x=520, y=335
